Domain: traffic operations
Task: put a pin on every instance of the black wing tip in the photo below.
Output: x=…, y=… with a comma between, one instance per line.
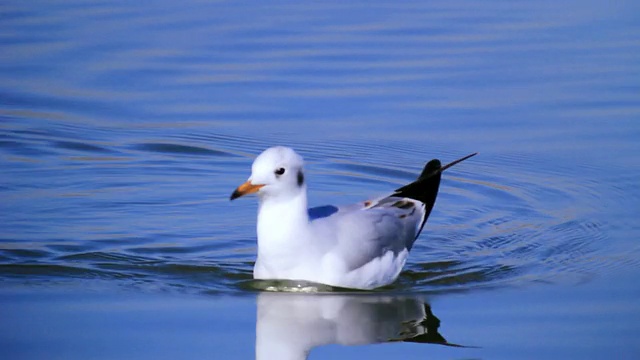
x=458, y=161
x=434, y=166
x=425, y=188
x=430, y=168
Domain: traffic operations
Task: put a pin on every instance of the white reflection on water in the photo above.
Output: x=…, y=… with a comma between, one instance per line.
x=289, y=326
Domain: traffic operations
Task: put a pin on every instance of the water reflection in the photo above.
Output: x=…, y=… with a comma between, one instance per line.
x=289, y=325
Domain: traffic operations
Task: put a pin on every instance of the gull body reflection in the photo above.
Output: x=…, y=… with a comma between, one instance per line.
x=289, y=325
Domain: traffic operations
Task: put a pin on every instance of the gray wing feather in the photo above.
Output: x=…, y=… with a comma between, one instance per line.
x=368, y=230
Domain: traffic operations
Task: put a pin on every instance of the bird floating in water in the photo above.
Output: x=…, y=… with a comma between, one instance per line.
x=359, y=246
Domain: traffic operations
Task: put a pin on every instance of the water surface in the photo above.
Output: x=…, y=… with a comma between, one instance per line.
x=125, y=126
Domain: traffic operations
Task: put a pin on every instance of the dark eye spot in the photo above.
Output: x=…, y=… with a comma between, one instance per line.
x=279, y=171
x=300, y=178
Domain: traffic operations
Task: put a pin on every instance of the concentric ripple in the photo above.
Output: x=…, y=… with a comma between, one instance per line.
x=497, y=222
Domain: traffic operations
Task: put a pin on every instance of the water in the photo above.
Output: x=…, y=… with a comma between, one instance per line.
x=125, y=126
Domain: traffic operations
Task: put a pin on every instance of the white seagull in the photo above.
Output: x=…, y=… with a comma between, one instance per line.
x=358, y=246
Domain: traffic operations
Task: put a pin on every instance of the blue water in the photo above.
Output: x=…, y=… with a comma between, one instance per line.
x=125, y=126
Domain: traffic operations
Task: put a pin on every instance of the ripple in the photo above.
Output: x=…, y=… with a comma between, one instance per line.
x=523, y=237
x=23, y=254
x=22, y=148
x=497, y=222
x=99, y=256
x=179, y=149
x=37, y=271
x=201, y=276
x=78, y=146
x=367, y=103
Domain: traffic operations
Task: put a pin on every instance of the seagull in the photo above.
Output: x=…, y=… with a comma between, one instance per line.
x=358, y=246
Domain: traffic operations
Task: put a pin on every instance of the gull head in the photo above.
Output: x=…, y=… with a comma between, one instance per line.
x=276, y=173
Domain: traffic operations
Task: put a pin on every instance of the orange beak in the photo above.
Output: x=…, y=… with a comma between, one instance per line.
x=244, y=189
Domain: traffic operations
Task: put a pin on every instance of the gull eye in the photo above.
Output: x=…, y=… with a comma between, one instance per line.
x=279, y=171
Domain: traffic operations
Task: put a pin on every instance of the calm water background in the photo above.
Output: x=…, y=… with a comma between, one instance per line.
x=124, y=127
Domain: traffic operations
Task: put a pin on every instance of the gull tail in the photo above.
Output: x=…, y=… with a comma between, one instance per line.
x=425, y=188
